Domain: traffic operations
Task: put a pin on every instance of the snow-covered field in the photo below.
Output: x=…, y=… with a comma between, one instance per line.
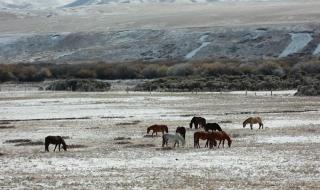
x=285, y=155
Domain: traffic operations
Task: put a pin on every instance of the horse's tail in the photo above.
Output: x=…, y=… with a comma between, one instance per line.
x=166, y=129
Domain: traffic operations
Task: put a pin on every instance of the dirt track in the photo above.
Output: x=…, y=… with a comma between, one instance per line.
x=285, y=155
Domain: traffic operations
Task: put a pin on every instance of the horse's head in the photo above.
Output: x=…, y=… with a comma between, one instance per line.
x=64, y=147
x=244, y=124
x=166, y=129
x=148, y=130
x=229, y=143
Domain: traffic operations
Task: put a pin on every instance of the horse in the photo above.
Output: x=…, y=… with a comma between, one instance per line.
x=176, y=138
x=253, y=120
x=182, y=131
x=57, y=140
x=196, y=121
x=221, y=136
x=157, y=128
x=210, y=137
x=212, y=126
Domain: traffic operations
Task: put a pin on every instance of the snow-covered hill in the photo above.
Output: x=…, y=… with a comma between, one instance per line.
x=42, y=4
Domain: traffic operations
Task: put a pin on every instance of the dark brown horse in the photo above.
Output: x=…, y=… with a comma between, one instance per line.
x=57, y=140
x=210, y=137
x=212, y=126
x=157, y=128
x=182, y=131
x=221, y=136
x=197, y=121
x=253, y=120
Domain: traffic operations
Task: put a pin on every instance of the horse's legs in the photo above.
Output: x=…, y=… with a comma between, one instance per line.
x=251, y=126
x=219, y=143
x=55, y=148
x=59, y=147
x=152, y=134
x=223, y=143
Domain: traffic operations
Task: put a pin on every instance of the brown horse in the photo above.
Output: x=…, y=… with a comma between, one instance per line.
x=182, y=131
x=210, y=137
x=157, y=128
x=221, y=136
x=56, y=140
x=253, y=120
x=197, y=121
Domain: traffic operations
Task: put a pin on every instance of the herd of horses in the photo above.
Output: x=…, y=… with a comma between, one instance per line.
x=212, y=133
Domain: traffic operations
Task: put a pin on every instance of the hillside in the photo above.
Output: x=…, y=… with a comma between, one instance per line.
x=159, y=31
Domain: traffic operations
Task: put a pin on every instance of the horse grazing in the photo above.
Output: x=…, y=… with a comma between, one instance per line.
x=212, y=126
x=253, y=120
x=182, y=131
x=210, y=137
x=221, y=136
x=57, y=140
x=197, y=121
x=176, y=138
x=157, y=128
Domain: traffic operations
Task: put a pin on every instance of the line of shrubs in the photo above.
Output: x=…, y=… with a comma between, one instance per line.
x=203, y=75
x=81, y=85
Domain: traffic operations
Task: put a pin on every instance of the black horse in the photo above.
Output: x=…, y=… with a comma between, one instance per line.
x=212, y=126
x=57, y=140
x=182, y=131
x=197, y=121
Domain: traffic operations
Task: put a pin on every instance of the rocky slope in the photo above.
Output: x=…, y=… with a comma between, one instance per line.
x=154, y=45
x=117, y=33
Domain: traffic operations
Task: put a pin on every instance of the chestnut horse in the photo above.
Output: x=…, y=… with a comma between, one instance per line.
x=212, y=126
x=221, y=136
x=157, y=128
x=253, y=120
x=197, y=121
x=56, y=140
x=210, y=137
x=182, y=131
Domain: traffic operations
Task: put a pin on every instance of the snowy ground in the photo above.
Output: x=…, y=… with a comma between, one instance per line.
x=285, y=155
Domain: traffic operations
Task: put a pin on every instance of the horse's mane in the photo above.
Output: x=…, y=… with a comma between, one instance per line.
x=246, y=121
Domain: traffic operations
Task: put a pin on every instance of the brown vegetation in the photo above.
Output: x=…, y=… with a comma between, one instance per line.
x=209, y=75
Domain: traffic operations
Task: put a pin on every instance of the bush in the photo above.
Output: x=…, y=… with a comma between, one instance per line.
x=81, y=85
x=309, y=90
x=180, y=70
x=86, y=73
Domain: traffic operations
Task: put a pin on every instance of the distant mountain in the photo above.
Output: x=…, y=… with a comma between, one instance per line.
x=42, y=4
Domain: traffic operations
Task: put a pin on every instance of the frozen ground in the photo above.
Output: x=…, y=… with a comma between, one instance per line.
x=285, y=155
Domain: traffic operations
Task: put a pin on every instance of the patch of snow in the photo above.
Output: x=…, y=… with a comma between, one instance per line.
x=317, y=50
x=289, y=139
x=195, y=51
x=298, y=42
